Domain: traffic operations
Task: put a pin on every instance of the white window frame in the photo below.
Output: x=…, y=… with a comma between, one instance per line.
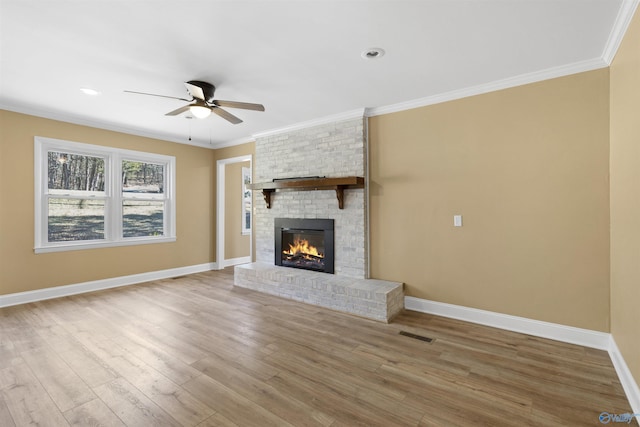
x=113, y=197
x=246, y=172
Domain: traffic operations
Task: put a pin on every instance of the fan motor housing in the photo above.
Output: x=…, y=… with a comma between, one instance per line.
x=207, y=88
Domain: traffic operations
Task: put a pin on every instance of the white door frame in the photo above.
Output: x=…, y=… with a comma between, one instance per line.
x=220, y=206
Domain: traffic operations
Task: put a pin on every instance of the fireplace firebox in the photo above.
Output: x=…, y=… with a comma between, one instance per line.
x=304, y=243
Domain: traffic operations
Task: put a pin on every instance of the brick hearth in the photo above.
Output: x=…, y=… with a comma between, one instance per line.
x=375, y=299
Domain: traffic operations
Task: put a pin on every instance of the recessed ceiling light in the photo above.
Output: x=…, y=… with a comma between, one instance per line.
x=88, y=91
x=373, y=53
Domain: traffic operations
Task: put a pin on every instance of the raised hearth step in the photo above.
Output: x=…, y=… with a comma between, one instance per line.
x=371, y=298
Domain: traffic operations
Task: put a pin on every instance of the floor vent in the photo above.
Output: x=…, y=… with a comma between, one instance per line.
x=414, y=336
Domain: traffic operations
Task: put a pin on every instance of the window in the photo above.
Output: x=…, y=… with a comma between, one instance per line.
x=246, y=201
x=142, y=199
x=92, y=196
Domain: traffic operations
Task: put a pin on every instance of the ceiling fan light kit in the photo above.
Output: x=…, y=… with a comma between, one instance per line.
x=202, y=104
x=200, y=111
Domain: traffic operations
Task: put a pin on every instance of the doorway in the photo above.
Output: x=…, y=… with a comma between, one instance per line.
x=231, y=235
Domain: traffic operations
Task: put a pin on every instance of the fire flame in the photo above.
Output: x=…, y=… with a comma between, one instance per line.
x=302, y=247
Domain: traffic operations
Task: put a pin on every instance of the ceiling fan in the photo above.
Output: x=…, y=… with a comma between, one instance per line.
x=202, y=104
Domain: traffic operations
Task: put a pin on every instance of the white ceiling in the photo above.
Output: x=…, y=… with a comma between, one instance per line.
x=301, y=59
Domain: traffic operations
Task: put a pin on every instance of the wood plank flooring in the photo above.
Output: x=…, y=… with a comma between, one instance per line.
x=195, y=351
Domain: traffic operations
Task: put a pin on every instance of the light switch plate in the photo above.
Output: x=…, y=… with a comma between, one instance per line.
x=457, y=220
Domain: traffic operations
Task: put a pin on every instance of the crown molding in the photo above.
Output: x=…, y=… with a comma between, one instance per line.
x=523, y=79
x=78, y=120
x=233, y=142
x=625, y=14
x=347, y=115
x=623, y=19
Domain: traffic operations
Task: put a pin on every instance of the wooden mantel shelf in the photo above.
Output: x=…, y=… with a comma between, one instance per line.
x=310, y=184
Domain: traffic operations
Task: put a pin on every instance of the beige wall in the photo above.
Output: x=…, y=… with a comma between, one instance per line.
x=22, y=270
x=236, y=244
x=625, y=197
x=528, y=169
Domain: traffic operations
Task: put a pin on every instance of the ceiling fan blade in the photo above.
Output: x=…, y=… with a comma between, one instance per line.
x=178, y=111
x=161, y=96
x=195, y=91
x=243, y=105
x=226, y=115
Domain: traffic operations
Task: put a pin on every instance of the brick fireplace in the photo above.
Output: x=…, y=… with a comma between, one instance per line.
x=336, y=149
x=331, y=150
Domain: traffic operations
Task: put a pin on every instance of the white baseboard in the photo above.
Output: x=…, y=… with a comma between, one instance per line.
x=624, y=374
x=235, y=261
x=554, y=331
x=96, y=285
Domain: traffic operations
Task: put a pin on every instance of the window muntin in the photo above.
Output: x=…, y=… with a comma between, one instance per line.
x=94, y=196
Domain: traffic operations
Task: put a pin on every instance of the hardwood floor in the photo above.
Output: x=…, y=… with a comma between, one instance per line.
x=195, y=351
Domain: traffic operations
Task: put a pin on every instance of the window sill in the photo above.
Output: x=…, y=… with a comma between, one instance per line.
x=101, y=244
